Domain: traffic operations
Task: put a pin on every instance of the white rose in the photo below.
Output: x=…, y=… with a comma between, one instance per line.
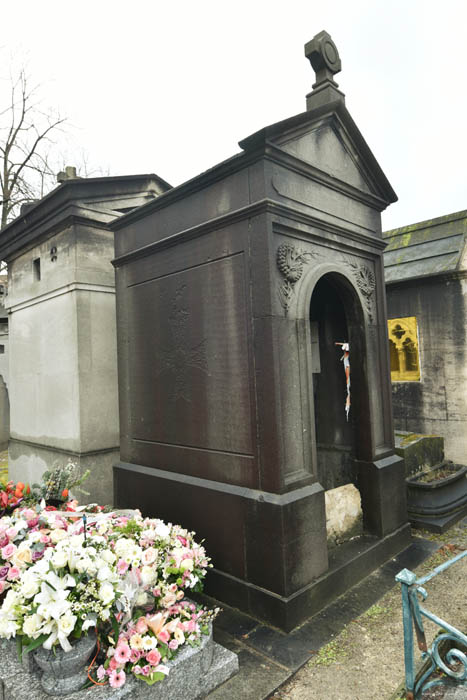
x=104, y=573
x=148, y=575
x=31, y=625
x=141, y=598
x=162, y=531
x=11, y=599
x=76, y=540
x=149, y=556
x=29, y=585
x=59, y=558
x=106, y=593
x=186, y=565
x=66, y=623
x=149, y=534
x=57, y=535
x=122, y=545
x=108, y=556
x=34, y=537
x=8, y=628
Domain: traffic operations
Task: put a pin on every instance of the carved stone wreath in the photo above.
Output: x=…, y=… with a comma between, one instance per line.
x=290, y=261
x=366, y=283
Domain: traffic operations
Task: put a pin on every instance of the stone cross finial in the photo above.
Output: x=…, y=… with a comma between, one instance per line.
x=322, y=53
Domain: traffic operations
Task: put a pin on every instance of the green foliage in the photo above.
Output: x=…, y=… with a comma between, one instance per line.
x=375, y=612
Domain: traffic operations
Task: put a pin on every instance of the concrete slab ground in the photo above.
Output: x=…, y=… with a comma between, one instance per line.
x=352, y=650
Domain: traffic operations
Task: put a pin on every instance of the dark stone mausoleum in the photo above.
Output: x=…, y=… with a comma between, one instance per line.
x=232, y=290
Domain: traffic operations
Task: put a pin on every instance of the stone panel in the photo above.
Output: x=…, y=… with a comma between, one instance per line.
x=188, y=358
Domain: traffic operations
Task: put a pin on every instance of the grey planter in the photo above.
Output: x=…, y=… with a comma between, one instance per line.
x=65, y=672
x=438, y=504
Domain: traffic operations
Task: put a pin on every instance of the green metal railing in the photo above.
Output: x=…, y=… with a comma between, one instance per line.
x=454, y=665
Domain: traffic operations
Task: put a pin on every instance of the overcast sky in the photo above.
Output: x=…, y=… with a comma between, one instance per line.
x=171, y=87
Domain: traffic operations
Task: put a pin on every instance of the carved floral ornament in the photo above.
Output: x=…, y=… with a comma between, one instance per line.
x=291, y=263
x=366, y=283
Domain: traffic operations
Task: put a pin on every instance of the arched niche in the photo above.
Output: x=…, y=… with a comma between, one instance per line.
x=330, y=304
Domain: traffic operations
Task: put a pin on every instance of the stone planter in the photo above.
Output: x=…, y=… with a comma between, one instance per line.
x=437, y=504
x=65, y=672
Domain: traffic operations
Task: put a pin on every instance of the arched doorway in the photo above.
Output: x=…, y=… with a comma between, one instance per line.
x=336, y=315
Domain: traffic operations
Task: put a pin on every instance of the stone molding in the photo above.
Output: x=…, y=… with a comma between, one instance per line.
x=60, y=291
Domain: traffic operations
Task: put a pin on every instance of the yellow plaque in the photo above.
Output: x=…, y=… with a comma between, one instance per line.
x=403, y=349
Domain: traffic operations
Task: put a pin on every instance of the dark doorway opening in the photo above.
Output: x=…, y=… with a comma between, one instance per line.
x=336, y=316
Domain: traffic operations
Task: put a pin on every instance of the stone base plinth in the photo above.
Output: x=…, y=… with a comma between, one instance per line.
x=194, y=673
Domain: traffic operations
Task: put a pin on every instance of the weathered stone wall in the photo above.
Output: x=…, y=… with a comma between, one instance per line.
x=437, y=404
x=63, y=358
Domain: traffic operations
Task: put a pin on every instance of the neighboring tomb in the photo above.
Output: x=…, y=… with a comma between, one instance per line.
x=232, y=292
x=61, y=304
x=4, y=364
x=426, y=288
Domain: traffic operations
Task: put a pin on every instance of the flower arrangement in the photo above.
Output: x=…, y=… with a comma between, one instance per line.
x=58, y=483
x=11, y=495
x=62, y=573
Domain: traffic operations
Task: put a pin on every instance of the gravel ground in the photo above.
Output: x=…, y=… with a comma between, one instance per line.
x=366, y=660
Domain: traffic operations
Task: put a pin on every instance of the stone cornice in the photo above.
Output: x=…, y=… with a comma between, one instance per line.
x=59, y=291
x=264, y=206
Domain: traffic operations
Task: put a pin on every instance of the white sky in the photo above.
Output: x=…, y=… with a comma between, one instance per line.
x=171, y=87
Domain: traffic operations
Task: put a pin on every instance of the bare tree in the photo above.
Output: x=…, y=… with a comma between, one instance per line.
x=25, y=130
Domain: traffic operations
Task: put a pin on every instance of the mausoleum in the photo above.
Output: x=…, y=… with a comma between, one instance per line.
x=62, y=338
x=236, y=414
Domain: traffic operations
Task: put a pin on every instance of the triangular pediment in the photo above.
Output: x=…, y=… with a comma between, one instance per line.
x=326, y=147
x=327, y=138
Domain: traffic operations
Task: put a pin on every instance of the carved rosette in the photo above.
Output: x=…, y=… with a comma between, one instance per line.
x=290, y=262
x=366, y=283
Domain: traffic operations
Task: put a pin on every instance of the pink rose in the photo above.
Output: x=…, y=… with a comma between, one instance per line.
x=28, y=513
x=153, y=657
x=45, y=539
x=3, y=586
x=13, y=573
x=189, y=626
x=142, y=625
x=8, y=551
x=4, y=541
x=11, y=533
x=33, y=522
x=173, y=644
x=113, y=663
